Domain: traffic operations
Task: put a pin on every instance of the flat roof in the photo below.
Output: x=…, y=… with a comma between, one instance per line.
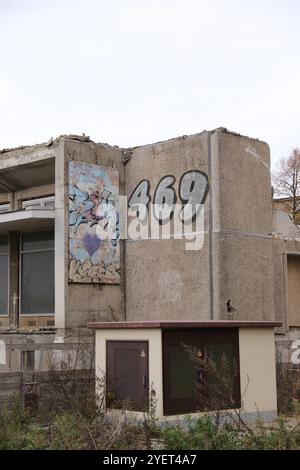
x=166, y=325
x=27, y=220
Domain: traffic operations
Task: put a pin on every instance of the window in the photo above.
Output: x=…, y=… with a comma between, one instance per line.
x=183, y=379
x=27, y=360
x=2, y=352
x=3, y=275
x=39, y=203
x=37, y=273
x=4, y=208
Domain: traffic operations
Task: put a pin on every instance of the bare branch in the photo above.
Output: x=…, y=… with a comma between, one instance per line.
x=286, y=182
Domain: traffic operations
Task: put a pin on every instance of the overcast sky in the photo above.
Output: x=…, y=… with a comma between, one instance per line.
x=137, y=71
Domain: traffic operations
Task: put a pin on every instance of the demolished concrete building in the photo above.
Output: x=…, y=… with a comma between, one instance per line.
x=58, y=275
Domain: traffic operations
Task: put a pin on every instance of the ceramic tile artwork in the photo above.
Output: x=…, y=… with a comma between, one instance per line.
x=94, y=251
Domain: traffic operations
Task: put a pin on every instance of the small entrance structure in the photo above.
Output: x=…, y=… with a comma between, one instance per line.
x=153, y=359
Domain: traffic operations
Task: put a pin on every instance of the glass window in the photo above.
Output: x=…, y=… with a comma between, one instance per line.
x=27, y=360
x=38, y=241
x=3, y=275
x=37, y=273
x=196, y=364
x=182, y=373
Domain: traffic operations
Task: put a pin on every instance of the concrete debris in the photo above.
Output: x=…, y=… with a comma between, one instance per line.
x=49, y=143
x=78, y=138
x=126, y=155
x=13, y=148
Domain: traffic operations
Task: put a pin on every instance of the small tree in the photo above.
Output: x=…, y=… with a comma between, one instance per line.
x=216, y=386
x=286, y=181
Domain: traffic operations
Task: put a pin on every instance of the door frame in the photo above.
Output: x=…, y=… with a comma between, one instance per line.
x=140, y=407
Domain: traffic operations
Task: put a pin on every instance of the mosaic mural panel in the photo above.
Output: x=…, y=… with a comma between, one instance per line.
x=94, y=251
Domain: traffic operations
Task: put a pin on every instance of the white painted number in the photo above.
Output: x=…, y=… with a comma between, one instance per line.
x=164, y=199
x=140, y=199
x=193, y=189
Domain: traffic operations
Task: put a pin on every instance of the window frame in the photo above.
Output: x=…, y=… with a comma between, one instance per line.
x=5, y=207
x=184, y=405
x=24, y=315
x=47, y=202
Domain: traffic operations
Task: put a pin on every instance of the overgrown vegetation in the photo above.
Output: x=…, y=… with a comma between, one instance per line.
x=70, y=430
x=217, y=386
x=204, y=434
x=288, y=388
x=76, y=423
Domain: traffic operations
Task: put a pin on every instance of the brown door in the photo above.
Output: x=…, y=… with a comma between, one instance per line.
x=127, y=374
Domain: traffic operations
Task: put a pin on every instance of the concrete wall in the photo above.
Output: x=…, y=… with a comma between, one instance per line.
x=27, y=170
x=242, y=266
x=293, y=268
x=92, y=302
x=287, y=307
x=284, y=226
x=257, y=369
x=286, y=252
x=163, y=279
x=285, y=245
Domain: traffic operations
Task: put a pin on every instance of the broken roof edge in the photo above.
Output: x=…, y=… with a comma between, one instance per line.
x=220, y=130
x=237, y=134
x=72, y=137
x=86, y=139
x=192, y=324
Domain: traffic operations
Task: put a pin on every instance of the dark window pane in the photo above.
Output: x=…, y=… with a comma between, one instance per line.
x=219, y=388
x=3, y=284
x=37, y=282
x=191, y=385
x=219, y=352
x=38, y=240
x=3, y=245
x=27, y=360
x=182, y=373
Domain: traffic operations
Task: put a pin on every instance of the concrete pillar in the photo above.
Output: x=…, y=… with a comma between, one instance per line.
x=14, y=295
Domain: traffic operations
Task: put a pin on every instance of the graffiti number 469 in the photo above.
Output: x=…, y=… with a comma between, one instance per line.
x=193, y=188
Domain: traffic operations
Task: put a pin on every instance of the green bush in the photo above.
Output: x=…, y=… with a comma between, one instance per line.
x=280, y=436
x=17, y=430
x=288, y=387
x=203, y=434
x=71, y=430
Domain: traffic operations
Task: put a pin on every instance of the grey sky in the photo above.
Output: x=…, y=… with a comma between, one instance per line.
x=132, y=72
